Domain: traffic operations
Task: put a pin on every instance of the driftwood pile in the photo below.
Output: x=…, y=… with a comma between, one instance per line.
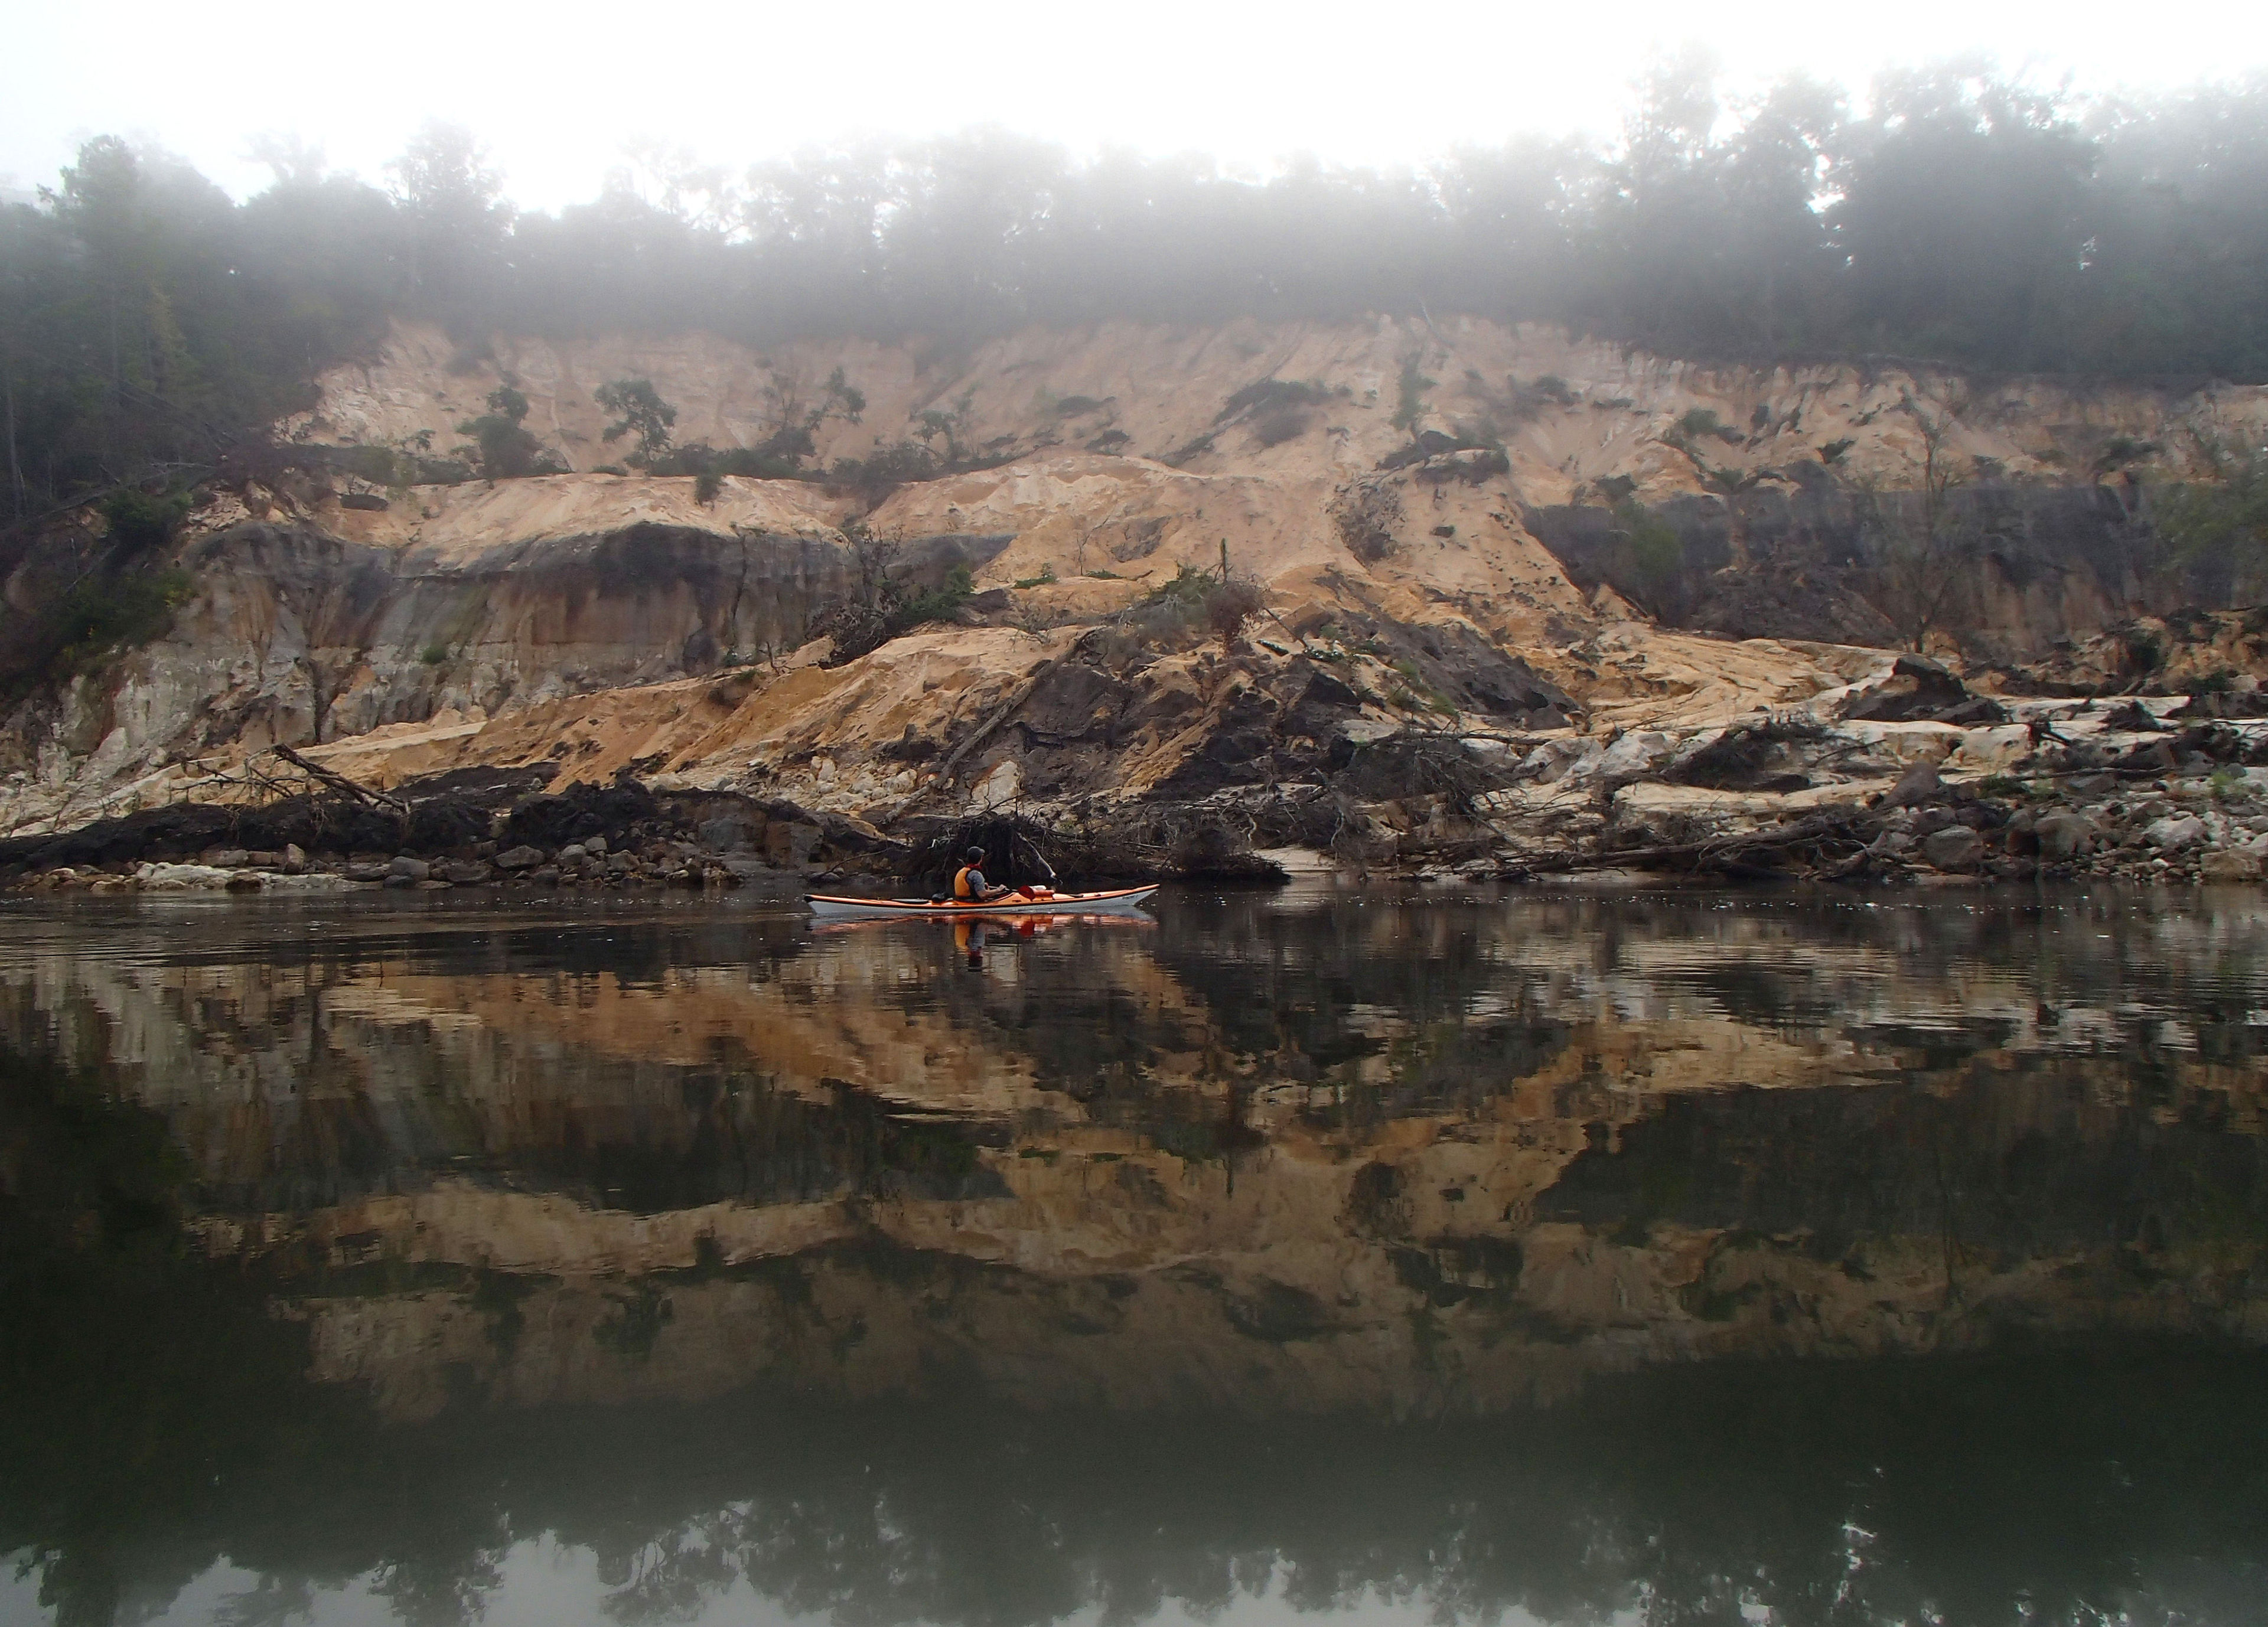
x=1113, y=846
x=1832, y=844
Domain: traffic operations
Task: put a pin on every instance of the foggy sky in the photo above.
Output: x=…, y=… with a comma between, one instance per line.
x=557, y=90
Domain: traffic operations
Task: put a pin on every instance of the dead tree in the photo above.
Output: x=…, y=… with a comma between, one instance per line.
x=1926, y=554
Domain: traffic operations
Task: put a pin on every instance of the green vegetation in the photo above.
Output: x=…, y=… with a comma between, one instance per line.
x=1222, y=603
x=122, y=613
x=2143, y=650
x=1414, y=694
x=140, y=522
x=1046, y=575
x=1519, y=403
x=97, y=620
x=2122, y=450
x=638, y=409
x=1279, y=424
x=2226, y=518
x=1188, y=588
x=887, y=467
x=1410, y=399
x=152, y=324
x=1193, y=601
x=905, y=612
x=1728, y=483
x=1229, y=604
x=1924, y=545
x=1651, y=547
x=503, y=448
x=1274, y=393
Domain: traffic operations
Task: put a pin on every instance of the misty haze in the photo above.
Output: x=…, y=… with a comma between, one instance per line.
x=1027, y=818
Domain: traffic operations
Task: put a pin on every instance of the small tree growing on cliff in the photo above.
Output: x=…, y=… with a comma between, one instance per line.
x=1409, y=402
x=1230, y=602
x=1924, y=548
x=796, y=421
x=952, y=425
x=1648, y=558
x=639, y=410
x=503, y=446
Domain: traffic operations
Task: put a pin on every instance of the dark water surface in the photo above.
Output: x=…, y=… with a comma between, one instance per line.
x=1661, y=1259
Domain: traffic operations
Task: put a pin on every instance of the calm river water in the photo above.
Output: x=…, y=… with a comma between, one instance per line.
x=1376, y=1257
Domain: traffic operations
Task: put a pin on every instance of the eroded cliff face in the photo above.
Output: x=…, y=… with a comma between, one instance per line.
x=1568, y=411
x=1327, y=1159
x=462, y=625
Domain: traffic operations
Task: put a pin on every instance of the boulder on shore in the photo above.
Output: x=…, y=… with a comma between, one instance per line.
x=1954, y=849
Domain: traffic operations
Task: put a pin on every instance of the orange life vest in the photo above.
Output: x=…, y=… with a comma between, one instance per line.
x=960, y=887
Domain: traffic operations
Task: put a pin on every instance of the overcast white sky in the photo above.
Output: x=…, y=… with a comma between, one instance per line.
x=557, y=91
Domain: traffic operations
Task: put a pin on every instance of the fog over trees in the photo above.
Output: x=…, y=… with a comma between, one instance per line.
x=148, y=322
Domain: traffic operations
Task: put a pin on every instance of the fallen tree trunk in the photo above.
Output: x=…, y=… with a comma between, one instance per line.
x=341, y=784
x=985, y=729
x=1850, y=826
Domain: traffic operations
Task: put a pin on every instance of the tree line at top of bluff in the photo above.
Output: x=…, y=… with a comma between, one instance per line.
x=148, y=321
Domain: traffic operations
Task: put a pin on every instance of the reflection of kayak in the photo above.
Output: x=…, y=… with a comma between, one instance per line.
x=828, y=908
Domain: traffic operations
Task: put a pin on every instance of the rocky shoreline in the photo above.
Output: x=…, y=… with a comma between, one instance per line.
x=2167, y=789
x=445, y=835
x=1959, y=786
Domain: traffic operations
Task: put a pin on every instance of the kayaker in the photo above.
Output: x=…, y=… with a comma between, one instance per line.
x=969, y=885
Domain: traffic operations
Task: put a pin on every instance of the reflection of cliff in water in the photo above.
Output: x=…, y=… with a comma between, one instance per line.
x=1348, y=1153
x=697, y=1260
x=158, y=1419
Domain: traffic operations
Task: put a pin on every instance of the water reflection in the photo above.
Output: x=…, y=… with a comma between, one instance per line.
x=370, y=1260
